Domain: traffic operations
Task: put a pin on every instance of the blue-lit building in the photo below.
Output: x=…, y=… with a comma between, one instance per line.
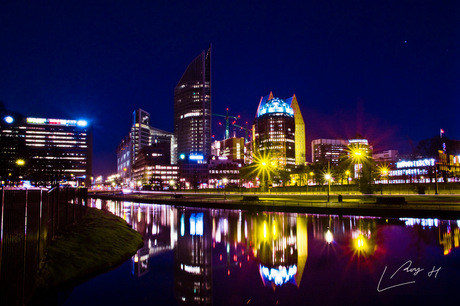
x=52, y=150
x=274, y=131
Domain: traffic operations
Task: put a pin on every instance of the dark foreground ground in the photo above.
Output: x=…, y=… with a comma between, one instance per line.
x=96, y=244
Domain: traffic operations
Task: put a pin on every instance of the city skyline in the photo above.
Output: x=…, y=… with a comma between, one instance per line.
x=387, y=71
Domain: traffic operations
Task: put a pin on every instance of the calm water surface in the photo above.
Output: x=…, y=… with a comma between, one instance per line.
x=234, y=257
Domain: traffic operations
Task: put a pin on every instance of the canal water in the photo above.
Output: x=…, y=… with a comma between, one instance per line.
x=237, y=257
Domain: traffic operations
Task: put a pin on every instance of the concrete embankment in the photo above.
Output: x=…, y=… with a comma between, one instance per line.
x=432, y=206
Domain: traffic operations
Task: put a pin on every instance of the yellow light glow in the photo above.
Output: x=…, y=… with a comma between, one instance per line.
x=20, y=162
x=265, y=230
x=329, y=237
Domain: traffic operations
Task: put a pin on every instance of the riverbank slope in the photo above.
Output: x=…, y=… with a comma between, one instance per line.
x=97, y=243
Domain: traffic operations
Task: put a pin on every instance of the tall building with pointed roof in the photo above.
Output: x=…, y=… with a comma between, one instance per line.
x=192, y=108
x=300, y=156
x=280, y=130
x=274, y=131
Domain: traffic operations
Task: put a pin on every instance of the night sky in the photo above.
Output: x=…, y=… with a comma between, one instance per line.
x=388, y=70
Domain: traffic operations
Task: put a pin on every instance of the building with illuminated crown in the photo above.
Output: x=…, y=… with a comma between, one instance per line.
x=192, y=108
x=277, y=127
x=51, y=150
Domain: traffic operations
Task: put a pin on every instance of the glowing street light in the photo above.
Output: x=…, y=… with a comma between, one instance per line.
x=348, y=176
x=225, y=181
x=328, y=178
x=263, y=166
x=20, y=162
x=329, y=237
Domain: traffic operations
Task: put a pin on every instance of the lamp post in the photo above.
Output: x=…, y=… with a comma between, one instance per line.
x=327, y=176
x=225, y=181
x=20, y=163
x=171, y=185
x=348, y=176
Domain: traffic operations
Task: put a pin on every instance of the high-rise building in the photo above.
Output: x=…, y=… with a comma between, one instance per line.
x=231, y=148
x=142, y=135
x=325, y=151
x=53, y=150
x=192, y=108
x=140, y=131
x=274, y=131
x=300, y=156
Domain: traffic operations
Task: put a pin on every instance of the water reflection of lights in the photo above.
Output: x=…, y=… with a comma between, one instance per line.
x=279, y=276
x=329, y=237
x=422, y=222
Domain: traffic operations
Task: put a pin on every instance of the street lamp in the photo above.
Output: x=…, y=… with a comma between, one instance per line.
x=348, y=176
x=171, y=185
x=225, y=181
x=327, y=176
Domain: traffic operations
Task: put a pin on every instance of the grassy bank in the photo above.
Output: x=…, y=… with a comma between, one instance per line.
x=97, y=243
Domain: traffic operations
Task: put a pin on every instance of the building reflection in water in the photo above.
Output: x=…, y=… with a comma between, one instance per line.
x=207, y=240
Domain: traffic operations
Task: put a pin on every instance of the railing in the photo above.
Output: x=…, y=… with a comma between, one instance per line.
x=29, y=220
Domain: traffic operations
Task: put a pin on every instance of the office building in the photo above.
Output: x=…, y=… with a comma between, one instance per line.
x=192, y=108
x=300, y=151
x=142, y=135
x=52, y=150
x=324, y=151
x=231, y=148
x=274, y=131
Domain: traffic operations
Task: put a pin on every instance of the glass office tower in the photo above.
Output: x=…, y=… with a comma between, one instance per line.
x=192, y=108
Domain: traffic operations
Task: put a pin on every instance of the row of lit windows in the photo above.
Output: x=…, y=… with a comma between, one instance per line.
x=223, y=171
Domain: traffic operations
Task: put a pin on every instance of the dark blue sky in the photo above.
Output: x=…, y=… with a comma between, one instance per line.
x=389, y=70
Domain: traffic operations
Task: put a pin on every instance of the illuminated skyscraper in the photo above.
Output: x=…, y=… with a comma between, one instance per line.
x=192, y=107
x=300, y=156
x=53, y=150
x=274, y=131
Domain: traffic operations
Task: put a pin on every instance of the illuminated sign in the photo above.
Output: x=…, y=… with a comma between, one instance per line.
x=416, y=163
x=80, y=123
x=196, y=156
x=361, y=141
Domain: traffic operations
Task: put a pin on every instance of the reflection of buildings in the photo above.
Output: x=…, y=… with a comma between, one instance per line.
x=448, y=231
x=214, y=248
x=156, y=224
x=192, y=257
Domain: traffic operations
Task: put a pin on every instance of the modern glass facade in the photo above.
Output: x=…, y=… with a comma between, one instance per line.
x=56, y=150
x=192, y=107
x=274, y=131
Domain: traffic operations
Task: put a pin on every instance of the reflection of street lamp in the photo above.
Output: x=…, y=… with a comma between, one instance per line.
x=327, y=176
x=329, y=237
